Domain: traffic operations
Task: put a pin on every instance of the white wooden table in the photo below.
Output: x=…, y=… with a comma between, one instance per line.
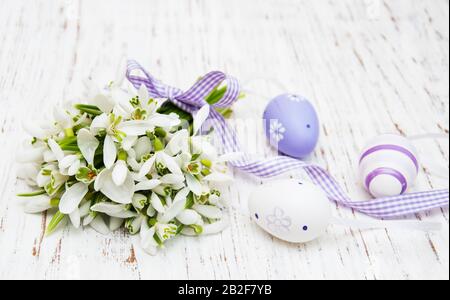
x=370, y=67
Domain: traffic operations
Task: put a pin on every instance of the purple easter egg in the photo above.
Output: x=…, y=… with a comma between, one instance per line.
x=292, y=125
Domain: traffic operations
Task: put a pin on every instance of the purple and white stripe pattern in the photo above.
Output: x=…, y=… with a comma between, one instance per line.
x=388, y=165
x=192, y=100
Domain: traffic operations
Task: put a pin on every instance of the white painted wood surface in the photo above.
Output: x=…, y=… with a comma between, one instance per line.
x=370, y=67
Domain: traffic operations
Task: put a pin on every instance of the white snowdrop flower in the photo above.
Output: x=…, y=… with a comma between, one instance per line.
x=107, y=183
x=75, y=218
x=133, y=225
x=72, y=197
x=68, y=165
x=88, y=144
x=115, y=223
x=166, y=231
x=207, y=229
x=147, y=185
x=37, y=204
x=38, y=131
x=109, y=124
x=142, y=147
x=188, y=217
x=156, y=203
x=177, y=206
x=129, y=142
x=34, y=154
x=208, y=211
x=99, y=225
x=28, y=172
x=160, y=160
x=65, y=120
x=148, y=241
x=114, y=210
x=139, y=201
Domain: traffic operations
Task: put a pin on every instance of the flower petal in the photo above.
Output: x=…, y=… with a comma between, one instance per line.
x=31, y=155
x=160, y=120
x=179, y=143
x=67, y=161
x=172, y=179
x=75, y=218
x=99, y=225
x=188, y=217
x=73, y=169
x=56, y=149
x=155, y=201
x=120, y=172
x=72, y=198
x=37, y=204
x=135, y=127
x=147, y=166
x=148, y=243
x=109, y=152
x=99, y=122
x=172, y=211
x=170, y=163
x=216, y=227
x=218, y=177
x=101, y=178
x=200, y=117
x=182, y=195
x=128, y=142
x=88, y=144
x=142, y=147
x=147, y=185
x=194, y=185
x=143, y=94
x=120, y=194
x=114, y=210
x=115, y=223
x=208, y=211
x=103, y=102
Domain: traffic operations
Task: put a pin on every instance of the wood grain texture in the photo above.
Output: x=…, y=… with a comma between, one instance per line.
x=370, y=67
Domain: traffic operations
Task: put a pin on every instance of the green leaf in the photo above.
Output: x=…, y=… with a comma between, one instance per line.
x=190, y=201
x=32, y=194
x=89, y=109
x=216, y=95
x=56, y=220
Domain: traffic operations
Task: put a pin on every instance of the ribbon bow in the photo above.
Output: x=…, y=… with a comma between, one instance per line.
x=194, y=99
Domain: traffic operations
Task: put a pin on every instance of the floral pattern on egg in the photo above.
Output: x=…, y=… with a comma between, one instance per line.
x=278, y=221
x=277, y=131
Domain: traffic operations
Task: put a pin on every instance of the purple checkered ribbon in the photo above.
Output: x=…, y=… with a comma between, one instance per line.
x=194, y=99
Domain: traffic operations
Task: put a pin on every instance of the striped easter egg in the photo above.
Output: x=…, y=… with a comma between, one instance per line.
x=388, y=165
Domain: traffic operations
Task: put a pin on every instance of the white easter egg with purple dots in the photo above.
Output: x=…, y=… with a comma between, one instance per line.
x=290, y=210
x=388, y=165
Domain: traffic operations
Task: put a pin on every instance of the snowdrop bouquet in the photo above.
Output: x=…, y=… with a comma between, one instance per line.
x=122, y=159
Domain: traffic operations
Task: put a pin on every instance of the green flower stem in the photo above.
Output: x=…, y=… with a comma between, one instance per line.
x=69, y=132
x=68, y=141
x=54, y=202
x=57, y=218
x=122, y=155
x=33, y=194
x=158, y=145
x=70, y=148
